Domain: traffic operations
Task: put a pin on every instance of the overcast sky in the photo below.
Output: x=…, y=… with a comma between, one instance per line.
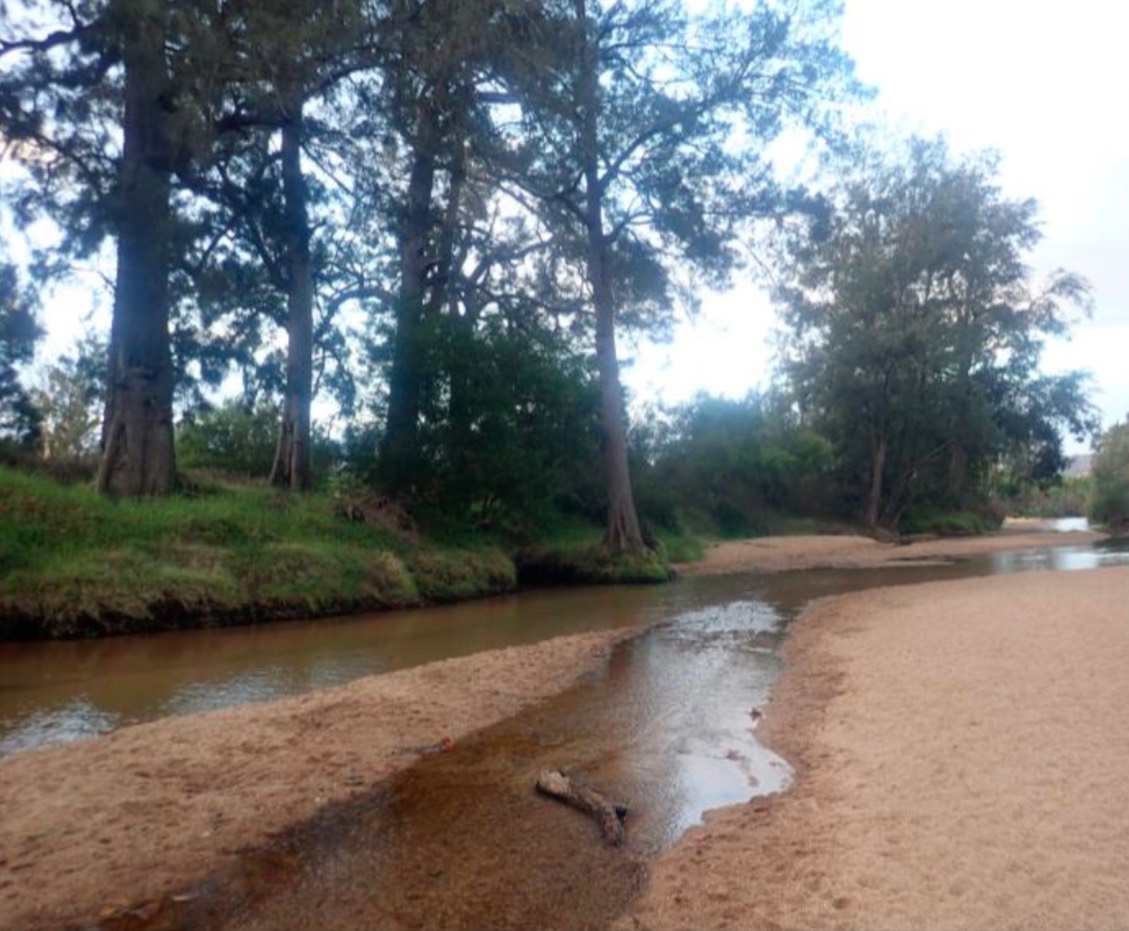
x=1046, y=84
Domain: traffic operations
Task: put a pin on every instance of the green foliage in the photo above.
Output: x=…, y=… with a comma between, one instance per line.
x=1109, y=504
x=454, y=575
x=19, y=332
x=682, y=546
x=948, y=523
x=724, y=466
x=509, y=431
x=230, y=438
x=1025, y=498
x=72, y=562
x=238, y=440
x=70, y=398
x=916, y=335
x=573, y=563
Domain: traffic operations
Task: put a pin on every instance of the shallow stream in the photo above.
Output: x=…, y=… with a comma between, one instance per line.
x=460, y=840
x=56, y=692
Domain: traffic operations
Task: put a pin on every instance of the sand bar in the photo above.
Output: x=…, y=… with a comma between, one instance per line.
x=962, y=759
x=783, y=554
x=90, y=828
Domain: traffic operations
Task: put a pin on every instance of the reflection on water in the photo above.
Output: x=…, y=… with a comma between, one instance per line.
x=71, y=720
x=1069, y=524
x=86, y=688
x=460, y=840
x=54, y=692
x=1061, y=559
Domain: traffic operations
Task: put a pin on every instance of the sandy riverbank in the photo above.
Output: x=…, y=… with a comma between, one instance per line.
x=961, y=756
x=93, y=827
x=782, y=554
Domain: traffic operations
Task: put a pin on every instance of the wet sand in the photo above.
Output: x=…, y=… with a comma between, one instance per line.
x=783, y=554
x=970, y=678
x=94, y=828
x=961, y=756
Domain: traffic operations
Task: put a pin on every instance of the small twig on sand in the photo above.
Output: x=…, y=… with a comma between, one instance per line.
x=608, y=815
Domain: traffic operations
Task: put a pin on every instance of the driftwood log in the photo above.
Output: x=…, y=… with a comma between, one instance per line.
x=608, y=815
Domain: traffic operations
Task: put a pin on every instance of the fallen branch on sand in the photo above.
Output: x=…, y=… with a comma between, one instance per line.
x=608, y=815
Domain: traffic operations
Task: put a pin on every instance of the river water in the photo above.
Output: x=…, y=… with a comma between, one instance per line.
x=459, y=840
x=56, y=692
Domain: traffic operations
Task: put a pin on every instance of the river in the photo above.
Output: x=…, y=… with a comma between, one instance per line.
x=666, y=727
x=52, y=692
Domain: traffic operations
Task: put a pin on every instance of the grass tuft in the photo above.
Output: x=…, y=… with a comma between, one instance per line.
x=578, y=563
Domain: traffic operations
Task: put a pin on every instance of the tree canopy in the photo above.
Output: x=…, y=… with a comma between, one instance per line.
x=916, y=332
x=19, y=331
x=444, y=215
x=1110, y=499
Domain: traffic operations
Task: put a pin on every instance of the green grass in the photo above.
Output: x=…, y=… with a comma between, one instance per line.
x=682, y=546
x=946, y=523
x=73, y=563
x=573, y=555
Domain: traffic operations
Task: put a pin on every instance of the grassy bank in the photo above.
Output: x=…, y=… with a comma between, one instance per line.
x=74, y=564
x=571, y=553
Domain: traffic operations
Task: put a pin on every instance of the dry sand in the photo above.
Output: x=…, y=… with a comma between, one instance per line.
x=781, y=554
x=90, y=828
x=962, y=761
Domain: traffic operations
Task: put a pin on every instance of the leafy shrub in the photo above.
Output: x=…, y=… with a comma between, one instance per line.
x=948, y=523
x=230, y=438
x=721, y=466
x=1109, y=503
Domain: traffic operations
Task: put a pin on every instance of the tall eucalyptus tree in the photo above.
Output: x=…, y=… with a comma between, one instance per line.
x=917, y=331
x=98, y=99
x=644, y=141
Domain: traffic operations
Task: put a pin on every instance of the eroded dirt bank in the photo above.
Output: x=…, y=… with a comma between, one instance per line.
x=782, y=554
x=961, y=753
x=89, y=828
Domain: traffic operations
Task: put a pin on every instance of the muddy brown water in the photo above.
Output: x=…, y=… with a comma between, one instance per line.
x=56, y=692
x=460, y=840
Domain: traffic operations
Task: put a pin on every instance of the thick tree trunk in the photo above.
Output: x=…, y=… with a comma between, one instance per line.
x=138, y=456
x=399, y=446
x=957, y=473
x=622, y=531
x=291, y=467
x=446, y=260
x=874, y=491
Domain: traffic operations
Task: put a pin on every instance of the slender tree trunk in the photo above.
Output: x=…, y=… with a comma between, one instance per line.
x=442, y=290
x=138, y=456
x=622, y=531
x=399, y=447
x=291, y=467
x=957, y=476
x=460, y=363
x=957, y=472
x=874, y=492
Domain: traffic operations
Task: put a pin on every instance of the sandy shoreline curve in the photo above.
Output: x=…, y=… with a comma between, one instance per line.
x=957, y=746
x=785, y=554
x=961, y=759
x=90, y=828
